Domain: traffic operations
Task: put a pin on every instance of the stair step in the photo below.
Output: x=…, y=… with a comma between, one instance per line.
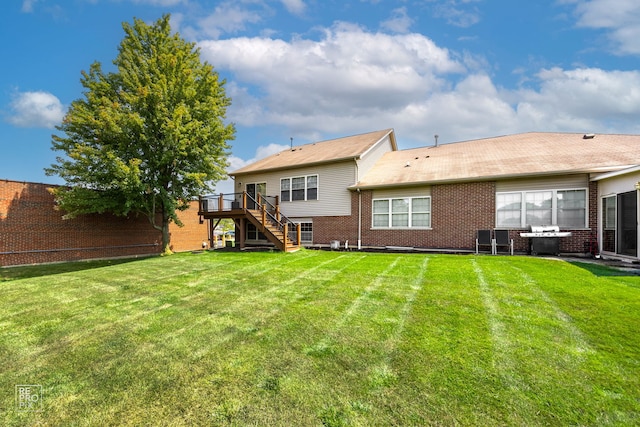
x=275, y=232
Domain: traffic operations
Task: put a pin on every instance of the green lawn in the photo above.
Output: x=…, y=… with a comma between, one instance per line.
x=321, y=338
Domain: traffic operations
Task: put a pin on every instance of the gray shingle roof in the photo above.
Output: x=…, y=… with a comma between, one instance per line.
x=519, y=155
x=333, y=150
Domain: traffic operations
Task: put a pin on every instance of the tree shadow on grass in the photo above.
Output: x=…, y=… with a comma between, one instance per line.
x=603, y=270
x=28, y=271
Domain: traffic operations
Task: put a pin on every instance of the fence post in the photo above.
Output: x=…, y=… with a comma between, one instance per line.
x=244, y=200
x=298, y=233
x=264, y=216
x=221, y=202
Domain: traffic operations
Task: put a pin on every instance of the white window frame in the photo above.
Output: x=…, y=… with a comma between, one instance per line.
x=390, y=214
x=309, y=233
x=290, y=188
x=554, y=207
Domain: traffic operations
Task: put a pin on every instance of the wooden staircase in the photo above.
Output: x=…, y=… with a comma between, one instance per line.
x=275, y=233
x=264, y=215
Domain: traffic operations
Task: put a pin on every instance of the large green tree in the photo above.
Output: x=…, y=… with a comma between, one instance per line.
x=147, y=138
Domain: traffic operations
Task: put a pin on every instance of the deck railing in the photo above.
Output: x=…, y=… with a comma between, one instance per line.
x=268, y=206
x=271, y=211
x=221, y=202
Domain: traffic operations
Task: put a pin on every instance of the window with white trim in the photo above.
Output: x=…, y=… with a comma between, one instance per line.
x=299, y=188
x=564, y=208
x=306, y=232
x=402, y=212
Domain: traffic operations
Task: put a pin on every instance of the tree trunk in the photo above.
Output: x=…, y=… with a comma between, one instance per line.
x=166, y=237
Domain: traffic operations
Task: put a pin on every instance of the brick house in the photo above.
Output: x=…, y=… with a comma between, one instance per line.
x=363, y=190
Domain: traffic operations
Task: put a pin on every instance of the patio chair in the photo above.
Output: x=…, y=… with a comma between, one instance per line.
x=502, y=239
x=484, y=239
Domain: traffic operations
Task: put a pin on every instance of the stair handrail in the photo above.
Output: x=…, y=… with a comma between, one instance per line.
x=291, y=226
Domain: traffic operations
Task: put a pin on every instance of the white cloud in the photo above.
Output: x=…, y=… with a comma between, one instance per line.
x=227, y=18
x=27, y=5
x=458, y=12
x=352, y=81
x=399, y=22
x=583, y=98
x=295, y=7
x=227, y=186
x=36, y=109
x=261, y=152
x=621, y=18
x=349, y=73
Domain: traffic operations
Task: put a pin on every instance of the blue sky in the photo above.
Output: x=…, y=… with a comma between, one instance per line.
x=318, y=69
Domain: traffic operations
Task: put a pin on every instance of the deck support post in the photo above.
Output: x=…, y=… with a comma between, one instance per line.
x=284, y=239
x=243, y=228
x=210, y=234
x=260, y=213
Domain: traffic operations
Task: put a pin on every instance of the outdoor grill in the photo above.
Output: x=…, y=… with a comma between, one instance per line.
x=545, y=239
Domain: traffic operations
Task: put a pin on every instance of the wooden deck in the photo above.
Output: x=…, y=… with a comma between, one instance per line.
x=263, y=212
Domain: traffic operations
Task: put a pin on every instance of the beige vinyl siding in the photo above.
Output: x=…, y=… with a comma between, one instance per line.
x=543, y=207
x=372, y=156
x=546, y=183
x=618, y=184
x=333, y=197
x=402, y=192
x=412, y=212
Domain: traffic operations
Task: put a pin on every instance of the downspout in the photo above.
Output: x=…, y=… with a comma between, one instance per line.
x=638, y=218
x=359, y=219
x=359, y=207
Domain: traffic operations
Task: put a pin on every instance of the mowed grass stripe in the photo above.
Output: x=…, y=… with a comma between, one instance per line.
x=502, y=357
x=363, y=298
x=348, y=353
x=224, y=339
x=525, y=330
x=444, y=359
x=601, y=352
x=546, y=345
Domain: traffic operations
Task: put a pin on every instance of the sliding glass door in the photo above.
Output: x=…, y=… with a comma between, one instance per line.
x=620, y=224
x=253, y=190
x=628, y=224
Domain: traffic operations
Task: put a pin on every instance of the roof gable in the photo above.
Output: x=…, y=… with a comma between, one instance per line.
x=333, y=150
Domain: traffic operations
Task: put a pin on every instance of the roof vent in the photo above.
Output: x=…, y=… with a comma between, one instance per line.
x=407, y=165
x=588, y=136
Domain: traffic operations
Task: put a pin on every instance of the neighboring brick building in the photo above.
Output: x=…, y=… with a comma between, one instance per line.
x=33, y=231
x=362, y=189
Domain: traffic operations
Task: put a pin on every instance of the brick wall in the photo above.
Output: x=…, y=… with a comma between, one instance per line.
x=328, y=228
x=33, y=231
x=192, y=234
x=458, y=211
